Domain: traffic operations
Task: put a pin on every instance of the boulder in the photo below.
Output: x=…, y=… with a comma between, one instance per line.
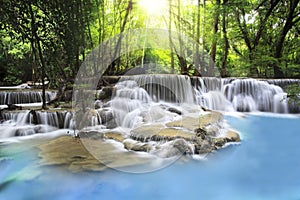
x=137, y=146
x=172, y=133
x=159, y=132
x=200, y=132
x=69, y=152
x=203, y=147
x=182, y=146
x=144, y=133
x=114, y=135
x=220, y=142
x=193, y=123
x=190, y=123
x=232, y=136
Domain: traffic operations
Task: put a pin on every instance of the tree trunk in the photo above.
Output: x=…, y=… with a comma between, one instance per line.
x=226, y=42
x=203, y=64
x=197, y=70
x=280, y=42
x=214, y=41
x=170, y=38
x=116, y=62
x=40, y=52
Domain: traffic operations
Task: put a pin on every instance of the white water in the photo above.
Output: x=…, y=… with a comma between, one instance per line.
x=132, y=106
x=241, y=95
x=24, y=97
x=149, y=99
x=22, y=123
x=177, y=89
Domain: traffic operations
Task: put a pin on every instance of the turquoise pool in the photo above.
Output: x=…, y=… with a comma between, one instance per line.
x=266, y=165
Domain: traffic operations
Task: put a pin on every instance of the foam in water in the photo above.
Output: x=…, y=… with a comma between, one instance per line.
x=139, y=99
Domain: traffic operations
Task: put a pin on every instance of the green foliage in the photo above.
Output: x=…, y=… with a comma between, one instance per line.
x=293, y=94
x=69, y=30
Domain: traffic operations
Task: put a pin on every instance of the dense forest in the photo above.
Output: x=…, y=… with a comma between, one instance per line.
x=244, y=38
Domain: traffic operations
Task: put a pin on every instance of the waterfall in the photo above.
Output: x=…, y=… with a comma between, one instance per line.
x=59, y=119
x=19, y=118
x=22, y=97
x=243, y=95
x=150, y=99
x=129, y=101
x=252, y=95
x=140, y=99
x=170, y=88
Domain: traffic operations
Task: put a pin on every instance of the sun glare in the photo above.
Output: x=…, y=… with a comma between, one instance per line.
x=154, y=7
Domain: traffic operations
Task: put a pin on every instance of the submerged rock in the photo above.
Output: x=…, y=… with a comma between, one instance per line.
x=69, y=152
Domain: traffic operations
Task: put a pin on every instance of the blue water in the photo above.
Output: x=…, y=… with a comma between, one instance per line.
x=266, y=165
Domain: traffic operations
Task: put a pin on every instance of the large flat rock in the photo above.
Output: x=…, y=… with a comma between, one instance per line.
x=159, y=132
x=192, y=123
x=69, y=152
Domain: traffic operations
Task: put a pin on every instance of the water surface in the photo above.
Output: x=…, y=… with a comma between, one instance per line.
x=265, y=165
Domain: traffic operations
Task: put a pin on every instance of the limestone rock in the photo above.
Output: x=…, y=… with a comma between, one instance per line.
x=159, y=132
x=182, y=146
x=232, y=136
x=144, y=133
x=137, y=146
x=172, y=133
x=114, y=135
x=202, y=121
x=203, y=147
x=220, y=142
x=69, y=152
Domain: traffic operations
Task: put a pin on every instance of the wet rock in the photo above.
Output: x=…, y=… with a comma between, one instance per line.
x=210, y=118
x=220, y=142
x=95, y=135
x=203, y=147
x=106, y=93
x=107, y=118
x=107, y=80
x=145, y=132
x=200, y=132
x=172, y=133
x=232, y=136
x=212, y=131
x=114, y=135
x=174, y=110
x=193, y=123
x=182, y=146
x=137, y=146
x=98, y=104
x=190, y=123
x=70, y=153
x=159, y=133
x=13, y=107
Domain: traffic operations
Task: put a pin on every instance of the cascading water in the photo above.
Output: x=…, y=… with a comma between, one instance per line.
x=22, y=123
x=147, y=99
x=242, y=95
x=170, y=88
x=22, y=97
